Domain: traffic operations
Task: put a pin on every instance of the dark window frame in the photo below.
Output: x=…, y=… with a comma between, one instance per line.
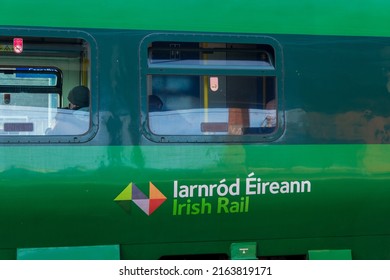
x=58, y=37
x=147, y=69
x=32, y=88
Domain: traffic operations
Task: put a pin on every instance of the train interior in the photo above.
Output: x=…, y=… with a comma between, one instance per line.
x=211, y=88
x=36, y=76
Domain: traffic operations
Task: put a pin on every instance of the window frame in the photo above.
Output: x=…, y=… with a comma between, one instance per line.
x=33, y=88
x=59, y=34
x=146, y=69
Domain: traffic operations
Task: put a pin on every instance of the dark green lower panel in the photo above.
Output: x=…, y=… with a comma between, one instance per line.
x=7, y=254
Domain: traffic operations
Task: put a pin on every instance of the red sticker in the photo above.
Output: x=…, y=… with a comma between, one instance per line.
x=214, y=84
x=18, y=45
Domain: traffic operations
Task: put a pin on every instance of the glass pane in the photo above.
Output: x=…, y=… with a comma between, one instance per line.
x=38, y=114
x=211, y=105
x=70, y=122
x=27, y=113
x=73, y=120
x=28, y=77
x=207, y=55
x=36, y=99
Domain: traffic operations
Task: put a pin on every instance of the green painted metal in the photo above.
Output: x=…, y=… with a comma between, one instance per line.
x=107, y=252
x=341, y=192
x=252, y=16
x=330, y=255
x=243, y=251
x=63, y=195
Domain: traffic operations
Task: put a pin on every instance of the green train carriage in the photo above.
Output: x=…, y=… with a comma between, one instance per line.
x=269, y=133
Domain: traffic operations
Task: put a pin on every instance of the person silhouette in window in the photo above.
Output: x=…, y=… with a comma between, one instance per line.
x=76, y=120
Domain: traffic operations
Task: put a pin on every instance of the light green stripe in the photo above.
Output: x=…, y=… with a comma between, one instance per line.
x=322, y=17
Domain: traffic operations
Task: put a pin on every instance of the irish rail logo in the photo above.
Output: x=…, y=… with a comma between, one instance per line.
x=147, y=204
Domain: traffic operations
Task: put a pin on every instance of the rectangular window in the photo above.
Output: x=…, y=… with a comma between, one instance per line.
x=211, y=91
x=30, y=97
x=227, y=56
x=44, y=87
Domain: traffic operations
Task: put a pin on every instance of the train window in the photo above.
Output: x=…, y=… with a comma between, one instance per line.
x=44, y=87
x=211, y=91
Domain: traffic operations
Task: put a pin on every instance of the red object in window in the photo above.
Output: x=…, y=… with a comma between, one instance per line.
x=214, y=84
x=18, y=45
